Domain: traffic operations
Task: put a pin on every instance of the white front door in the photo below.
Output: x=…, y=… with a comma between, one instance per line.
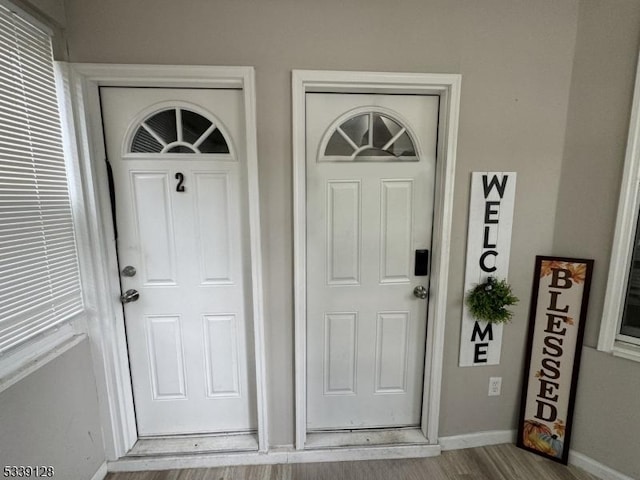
x=370, y=188
x=179, y=176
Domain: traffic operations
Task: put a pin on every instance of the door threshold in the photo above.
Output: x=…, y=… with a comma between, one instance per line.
x=365, y=438
x=274, y=456
x=194, y=444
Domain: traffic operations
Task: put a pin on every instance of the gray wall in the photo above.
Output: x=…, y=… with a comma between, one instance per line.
x=51, y=418
x=516, y=60
x=606, y=419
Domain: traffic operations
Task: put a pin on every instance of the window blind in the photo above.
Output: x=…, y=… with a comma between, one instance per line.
x=39, y=276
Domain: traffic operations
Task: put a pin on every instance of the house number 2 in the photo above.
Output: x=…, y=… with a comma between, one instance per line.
x=180, y=178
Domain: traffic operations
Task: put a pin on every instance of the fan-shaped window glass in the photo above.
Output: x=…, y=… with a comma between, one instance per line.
x=370, y=137
x=177, y=130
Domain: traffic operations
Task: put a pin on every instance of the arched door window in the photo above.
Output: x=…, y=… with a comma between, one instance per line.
x=371, y=136
x=178, y=130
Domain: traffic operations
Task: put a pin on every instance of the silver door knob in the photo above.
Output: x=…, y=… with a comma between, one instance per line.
x=129, y=296
x=420, y=292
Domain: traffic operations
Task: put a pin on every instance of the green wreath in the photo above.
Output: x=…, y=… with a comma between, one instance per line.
x=487, y=301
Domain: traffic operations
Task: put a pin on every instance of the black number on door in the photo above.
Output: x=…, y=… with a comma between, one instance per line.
x=180, y=178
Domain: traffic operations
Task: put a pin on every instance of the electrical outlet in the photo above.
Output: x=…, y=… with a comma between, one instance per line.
x=495, y=386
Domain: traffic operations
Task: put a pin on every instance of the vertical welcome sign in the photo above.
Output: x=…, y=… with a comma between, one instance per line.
x=556, y=327
x=488, y=248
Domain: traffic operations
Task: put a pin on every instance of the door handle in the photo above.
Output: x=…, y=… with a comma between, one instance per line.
x=420, y=292
x=130, y=296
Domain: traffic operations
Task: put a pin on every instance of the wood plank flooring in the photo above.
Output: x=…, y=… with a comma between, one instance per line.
x=497, y=462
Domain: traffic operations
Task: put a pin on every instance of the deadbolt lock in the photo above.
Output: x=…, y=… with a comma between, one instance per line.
x=128, y=271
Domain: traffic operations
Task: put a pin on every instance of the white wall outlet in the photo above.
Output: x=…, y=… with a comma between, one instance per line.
x=495, y=386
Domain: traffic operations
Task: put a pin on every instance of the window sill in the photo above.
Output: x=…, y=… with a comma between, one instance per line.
x=626, y=350
x=17, y=366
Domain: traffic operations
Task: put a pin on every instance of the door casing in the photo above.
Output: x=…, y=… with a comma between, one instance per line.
x=106, y=321
x=447, y=87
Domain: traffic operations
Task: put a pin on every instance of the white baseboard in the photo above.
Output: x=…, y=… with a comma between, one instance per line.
x=495, y=437
x=480, y=439
x=593, y=467
x=274, y=456
x=101, y=473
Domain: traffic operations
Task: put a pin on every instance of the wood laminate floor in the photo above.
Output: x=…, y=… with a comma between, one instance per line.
x=497, y=462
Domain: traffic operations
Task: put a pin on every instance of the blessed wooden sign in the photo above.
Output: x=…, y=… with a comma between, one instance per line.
x=556, y=327
x=488, y=246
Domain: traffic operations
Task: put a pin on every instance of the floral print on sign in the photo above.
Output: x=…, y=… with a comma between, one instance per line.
x=578, y=270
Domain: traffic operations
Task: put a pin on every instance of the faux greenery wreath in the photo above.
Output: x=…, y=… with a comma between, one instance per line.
x=487, y=301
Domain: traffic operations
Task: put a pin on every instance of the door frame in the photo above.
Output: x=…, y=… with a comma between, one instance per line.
x=102, y=287
x=447, y=87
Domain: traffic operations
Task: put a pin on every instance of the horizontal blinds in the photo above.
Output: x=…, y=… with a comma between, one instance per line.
x=39, y=278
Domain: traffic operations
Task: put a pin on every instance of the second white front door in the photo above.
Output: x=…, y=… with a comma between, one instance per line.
x=179, y=178
x=370, y=187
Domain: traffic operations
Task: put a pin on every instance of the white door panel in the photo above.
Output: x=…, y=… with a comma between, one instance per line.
x=366, y=217
x=187, y=334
